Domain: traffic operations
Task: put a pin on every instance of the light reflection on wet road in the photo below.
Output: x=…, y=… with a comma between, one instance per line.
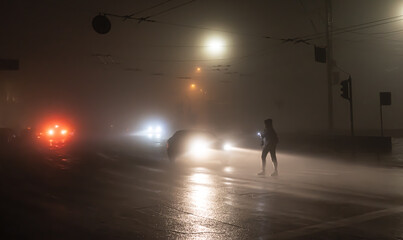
x=108, y=197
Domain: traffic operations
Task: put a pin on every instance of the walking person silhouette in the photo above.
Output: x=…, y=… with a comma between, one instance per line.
x=269, y=144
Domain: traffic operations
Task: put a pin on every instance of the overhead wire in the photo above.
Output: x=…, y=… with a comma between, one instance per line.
x=354, y=27
x=306, y=39
x=149, y=8
x=378, y=33
x=147, y=18
x=172, y=8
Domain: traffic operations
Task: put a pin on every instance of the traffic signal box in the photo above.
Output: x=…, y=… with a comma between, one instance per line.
x=345, y=89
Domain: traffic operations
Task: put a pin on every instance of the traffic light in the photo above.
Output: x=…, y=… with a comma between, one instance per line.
x=320, y=54
x=345, y=88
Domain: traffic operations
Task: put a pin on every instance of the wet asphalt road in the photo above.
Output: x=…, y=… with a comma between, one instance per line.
x=136, y=193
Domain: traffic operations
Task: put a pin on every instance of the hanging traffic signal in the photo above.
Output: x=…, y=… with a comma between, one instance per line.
x=345, y=89
x=320, y=54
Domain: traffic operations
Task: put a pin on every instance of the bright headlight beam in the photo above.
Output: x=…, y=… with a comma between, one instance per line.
x=199, y=148
x=158, y=129
x=227, y=147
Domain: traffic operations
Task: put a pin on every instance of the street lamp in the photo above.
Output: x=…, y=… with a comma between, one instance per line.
x=215, y=45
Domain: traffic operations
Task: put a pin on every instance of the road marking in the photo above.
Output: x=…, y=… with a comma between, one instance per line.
x=296, y=233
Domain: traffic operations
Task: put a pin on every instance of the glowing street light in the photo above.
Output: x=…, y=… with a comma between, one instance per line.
x=215, y=46
x=198, y=69
x=193, y=86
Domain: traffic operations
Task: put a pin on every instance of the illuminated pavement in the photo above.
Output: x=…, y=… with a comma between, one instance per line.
x=97, y=195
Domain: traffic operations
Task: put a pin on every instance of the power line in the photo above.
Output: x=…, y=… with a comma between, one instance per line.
x=306, y=39
x=172, y=8
x=336, y=32
x=149, y=8
x=354, y=27
x=377, y=33
x=147, y=19
x=307, y=14
x=182, y=25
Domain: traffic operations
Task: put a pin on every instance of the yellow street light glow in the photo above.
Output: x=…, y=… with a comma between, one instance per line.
x=198, y=69
x=193, y=86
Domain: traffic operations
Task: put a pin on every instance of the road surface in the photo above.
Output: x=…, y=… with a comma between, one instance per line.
x=136, y=193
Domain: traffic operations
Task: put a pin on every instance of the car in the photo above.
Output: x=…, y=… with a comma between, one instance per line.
x=194, y=142
x=55, y=135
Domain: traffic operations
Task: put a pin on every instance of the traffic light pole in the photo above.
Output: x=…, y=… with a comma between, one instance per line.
x=351, y=107
x=347, y=93
x=329, y=62
x=381, y=121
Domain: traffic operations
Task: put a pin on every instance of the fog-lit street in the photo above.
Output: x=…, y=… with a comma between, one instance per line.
x=87, y=193
x=201, y=119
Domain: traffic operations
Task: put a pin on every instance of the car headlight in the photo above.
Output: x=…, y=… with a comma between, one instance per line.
x=198, y=147
x=154, y=132
x=227, y=146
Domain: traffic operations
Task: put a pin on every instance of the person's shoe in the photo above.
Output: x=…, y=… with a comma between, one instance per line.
x=274, y=174
x=262, y=173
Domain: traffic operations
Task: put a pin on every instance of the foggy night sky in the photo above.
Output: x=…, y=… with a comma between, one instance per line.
x=148, y=71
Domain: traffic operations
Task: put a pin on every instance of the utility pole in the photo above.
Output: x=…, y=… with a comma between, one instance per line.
x=385, y=99
x=329, y=62
x=347, y=93
x=351, y=106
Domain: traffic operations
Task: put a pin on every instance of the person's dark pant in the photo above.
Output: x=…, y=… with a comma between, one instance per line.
x=265, y=151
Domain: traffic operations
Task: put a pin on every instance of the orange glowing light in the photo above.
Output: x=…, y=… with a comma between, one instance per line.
x=51, y=132
x=193, y=86
x=198, y=69
x=63, y=132
x=56, y=126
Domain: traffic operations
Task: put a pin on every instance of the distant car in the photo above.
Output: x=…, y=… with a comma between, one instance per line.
x=193, y=142
x=55, y=134
x=7, y=136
